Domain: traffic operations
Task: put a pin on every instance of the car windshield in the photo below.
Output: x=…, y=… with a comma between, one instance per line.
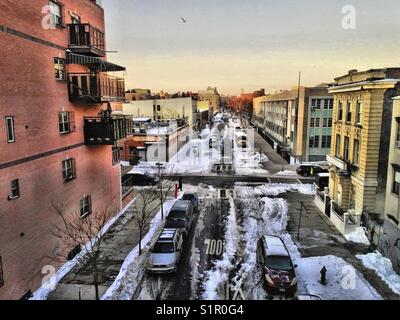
x=163, y=247
x=278, y=263
x=177, y=215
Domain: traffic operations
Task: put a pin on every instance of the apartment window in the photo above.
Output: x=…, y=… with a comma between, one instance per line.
x=356, y=152
x=398, y=134
x=327, y=122
x=346, y=148
x=316, y=104
x=14, y=189
x=56, y=14
x=10, y=129
x=349, y=107
x=86, y=206
x=1, y=273
x=115, y=156
x=59, y=68
x=158, y=108
x=314, y=142
x=326, y=142
x=337, y=147
x=317, y=123
x=359, y=112
x=312, y=122
x=328, y=104
x=66, y=123
x=69, y=170
x=340, y=111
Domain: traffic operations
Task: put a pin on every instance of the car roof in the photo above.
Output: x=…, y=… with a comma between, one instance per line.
x=274, y=246
x=324, y=174
x=181, y=205
x=168, y=234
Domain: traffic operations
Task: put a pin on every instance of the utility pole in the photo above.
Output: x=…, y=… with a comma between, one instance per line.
x=301, y=213
x=159, y=165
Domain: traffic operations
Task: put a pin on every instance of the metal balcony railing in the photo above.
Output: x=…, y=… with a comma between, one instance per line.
x=95, y=87
x=86, y=39
x=106, y=130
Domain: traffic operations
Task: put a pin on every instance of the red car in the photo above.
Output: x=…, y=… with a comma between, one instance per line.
x=276, y=265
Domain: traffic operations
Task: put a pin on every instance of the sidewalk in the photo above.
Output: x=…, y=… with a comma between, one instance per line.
x=119, y=241
x=318, y=237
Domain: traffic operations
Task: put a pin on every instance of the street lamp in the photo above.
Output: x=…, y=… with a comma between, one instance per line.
x=159, y=165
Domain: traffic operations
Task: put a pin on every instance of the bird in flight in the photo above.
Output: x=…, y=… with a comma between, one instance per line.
x=183, y=19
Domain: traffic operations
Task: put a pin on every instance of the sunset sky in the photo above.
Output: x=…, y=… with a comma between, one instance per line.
x=247, y=44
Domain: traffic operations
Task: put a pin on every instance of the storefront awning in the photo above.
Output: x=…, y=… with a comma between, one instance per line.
x=93, y=62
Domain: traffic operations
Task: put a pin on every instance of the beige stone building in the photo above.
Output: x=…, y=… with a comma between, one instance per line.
x=211, y=95
x=358, y=158
x=392, y=201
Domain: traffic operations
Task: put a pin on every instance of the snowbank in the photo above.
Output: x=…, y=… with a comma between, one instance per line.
x=383, y=267
x=358, y=236
x=43, y=292
x=275, y=189
x=286, y=173
x=123, y=288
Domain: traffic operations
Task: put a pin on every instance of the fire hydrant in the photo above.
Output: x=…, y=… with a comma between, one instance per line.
x=323, y=275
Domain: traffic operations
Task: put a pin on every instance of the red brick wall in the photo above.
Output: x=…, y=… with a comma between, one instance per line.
x=30, y=93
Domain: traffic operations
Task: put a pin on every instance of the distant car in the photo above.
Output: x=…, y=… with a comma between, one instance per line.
x=166, y=252
x=181, y=216
x=193, y=197
x=276, y=266
x=140, y=179
x=310, y=170
x=212, y=143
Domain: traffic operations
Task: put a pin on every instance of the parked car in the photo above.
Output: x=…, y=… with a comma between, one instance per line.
x=139, y=179
x=181, y=216
x=307, y=170
x=310, y=296
x=276, y=266
x=166, y=252
x=193, y=197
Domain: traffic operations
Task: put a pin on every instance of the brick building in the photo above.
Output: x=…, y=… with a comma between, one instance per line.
x=54, y=146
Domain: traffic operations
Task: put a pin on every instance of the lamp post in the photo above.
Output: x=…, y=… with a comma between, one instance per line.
x=159, y=165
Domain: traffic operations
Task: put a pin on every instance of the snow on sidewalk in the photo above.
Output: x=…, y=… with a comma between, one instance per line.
x=133, y=268
x=358, y=236
x=276, y=189
x=383, y=267
x=344, y=282
x=48, y=287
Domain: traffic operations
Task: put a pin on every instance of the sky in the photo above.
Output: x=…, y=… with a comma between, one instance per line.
x=247, y=44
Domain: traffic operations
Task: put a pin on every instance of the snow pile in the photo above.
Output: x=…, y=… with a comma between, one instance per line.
x=248, y=162
x=220, y=273
x=358, y=236
x=344, y=282
x=132, y=270
x=43, y=292
x=286, y=173
x=383, y=267
x=276, y=189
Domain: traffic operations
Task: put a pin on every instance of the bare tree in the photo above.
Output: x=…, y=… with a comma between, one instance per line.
x=165, y=185
x=145, y=206
x=84, y=233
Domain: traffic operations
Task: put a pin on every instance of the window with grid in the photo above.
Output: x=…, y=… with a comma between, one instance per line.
x=69, y=169
x=317, y=122
x=312, y=122
x=14, y=189
x=59, y=69
x=56, y=14
x=326, y=142
x=1, y=273
x=396, y=181
x=10, y=129
x=314, y=142
x=66, y=122
x=86, y=206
